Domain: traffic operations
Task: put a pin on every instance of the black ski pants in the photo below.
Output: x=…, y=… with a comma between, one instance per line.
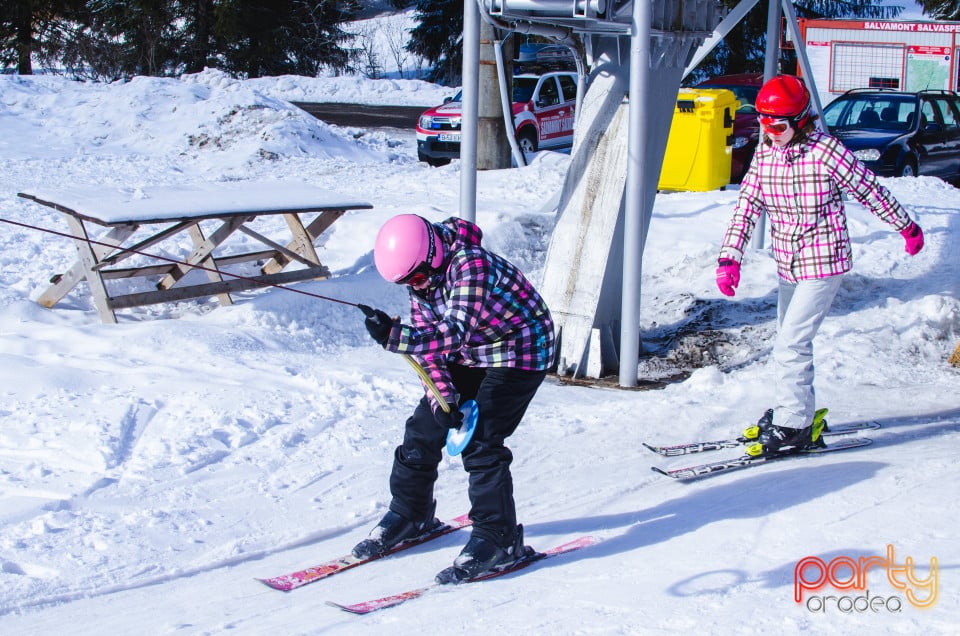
x=502, y=396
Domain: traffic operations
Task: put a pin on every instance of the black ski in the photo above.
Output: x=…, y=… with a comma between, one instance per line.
x=701, y=447
x=712, y=468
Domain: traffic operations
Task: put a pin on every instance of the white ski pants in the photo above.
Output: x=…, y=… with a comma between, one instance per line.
x=801, y=308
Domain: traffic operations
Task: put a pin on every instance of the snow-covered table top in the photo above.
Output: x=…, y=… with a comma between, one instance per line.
x=146, y=204
x=178, y=209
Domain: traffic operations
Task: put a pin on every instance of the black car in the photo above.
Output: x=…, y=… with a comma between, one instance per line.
x=900, y=134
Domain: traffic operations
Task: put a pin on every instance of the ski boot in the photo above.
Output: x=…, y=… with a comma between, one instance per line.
x=393, y=530
x=773, y=440
x=481, y=556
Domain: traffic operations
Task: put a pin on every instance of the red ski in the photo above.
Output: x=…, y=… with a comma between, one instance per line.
x=293, y=580
x=365, y=607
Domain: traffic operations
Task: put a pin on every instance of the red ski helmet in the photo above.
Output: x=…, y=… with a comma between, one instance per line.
x=407, y=250
x=785, y=97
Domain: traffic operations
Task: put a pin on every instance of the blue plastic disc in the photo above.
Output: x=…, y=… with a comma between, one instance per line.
x=458, y=438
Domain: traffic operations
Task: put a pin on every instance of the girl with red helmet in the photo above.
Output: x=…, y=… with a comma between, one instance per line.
x=482, y=332
x=796, y=178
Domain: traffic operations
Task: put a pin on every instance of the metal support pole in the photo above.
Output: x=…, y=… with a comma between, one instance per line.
x=471, y=98
x=732, y=19
x=771, y=67
x=506, y=103
x=635, y=194
x=801, y=48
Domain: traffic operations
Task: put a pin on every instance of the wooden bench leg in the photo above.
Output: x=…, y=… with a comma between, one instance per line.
x=303, y=238
x=213, y=276
x=201, y=252
x=88, y=262
x=65, y=282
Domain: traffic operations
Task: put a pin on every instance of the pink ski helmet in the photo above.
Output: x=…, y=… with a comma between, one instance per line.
x=407, y=250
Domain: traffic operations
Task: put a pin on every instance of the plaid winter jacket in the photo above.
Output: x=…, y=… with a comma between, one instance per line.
x=482, y=312
x=799, y=188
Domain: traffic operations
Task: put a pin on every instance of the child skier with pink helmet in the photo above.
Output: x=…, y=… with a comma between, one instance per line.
x=482, y=332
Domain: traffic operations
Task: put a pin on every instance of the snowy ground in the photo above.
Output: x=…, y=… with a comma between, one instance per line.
x=150, y=470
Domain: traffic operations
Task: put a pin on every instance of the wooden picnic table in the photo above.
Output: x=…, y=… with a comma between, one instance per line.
x=138, y=218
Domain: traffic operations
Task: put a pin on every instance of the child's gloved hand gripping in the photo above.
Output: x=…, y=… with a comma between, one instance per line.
x=378, y=323
x=453, y=419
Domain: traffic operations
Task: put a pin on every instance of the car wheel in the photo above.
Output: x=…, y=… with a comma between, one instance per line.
x=908, y=169
x=527, y=142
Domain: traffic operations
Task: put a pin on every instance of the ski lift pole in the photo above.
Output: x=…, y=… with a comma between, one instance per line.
x=771, y=68
x=506, y=104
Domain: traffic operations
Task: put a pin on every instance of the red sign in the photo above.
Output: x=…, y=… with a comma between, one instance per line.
x=928, y=50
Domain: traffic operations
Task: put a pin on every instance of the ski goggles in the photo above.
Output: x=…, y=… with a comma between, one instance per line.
x=417, y=277
x=774, y=125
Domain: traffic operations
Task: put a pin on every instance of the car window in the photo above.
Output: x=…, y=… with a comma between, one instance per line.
x=954, y=105
x=523, y=88
x=896, y=114
x=928, y=114
x=832, y=113
x=947, y=112
x=746, y=95
x=856, y=112
x=549, y=93
x=876, y=112
x=569, y=87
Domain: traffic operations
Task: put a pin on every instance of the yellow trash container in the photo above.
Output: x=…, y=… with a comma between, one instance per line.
x=698, y=150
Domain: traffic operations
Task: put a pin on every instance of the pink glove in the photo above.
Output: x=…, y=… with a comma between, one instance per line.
x=913, y=236
x=728, y=276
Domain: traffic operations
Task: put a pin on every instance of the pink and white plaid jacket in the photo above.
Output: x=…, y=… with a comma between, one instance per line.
x=799, y=188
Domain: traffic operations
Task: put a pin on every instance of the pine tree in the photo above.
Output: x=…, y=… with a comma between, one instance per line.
x=941, y=9
x=438, y=39
x=276, y=37
x=30, y=28
x=114, y=39
x=198, y=44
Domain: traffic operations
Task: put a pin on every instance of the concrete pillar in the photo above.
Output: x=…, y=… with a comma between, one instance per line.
x=493, y=146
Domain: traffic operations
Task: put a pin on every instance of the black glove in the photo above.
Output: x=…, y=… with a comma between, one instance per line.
x=378, y=324
x=453, y=419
